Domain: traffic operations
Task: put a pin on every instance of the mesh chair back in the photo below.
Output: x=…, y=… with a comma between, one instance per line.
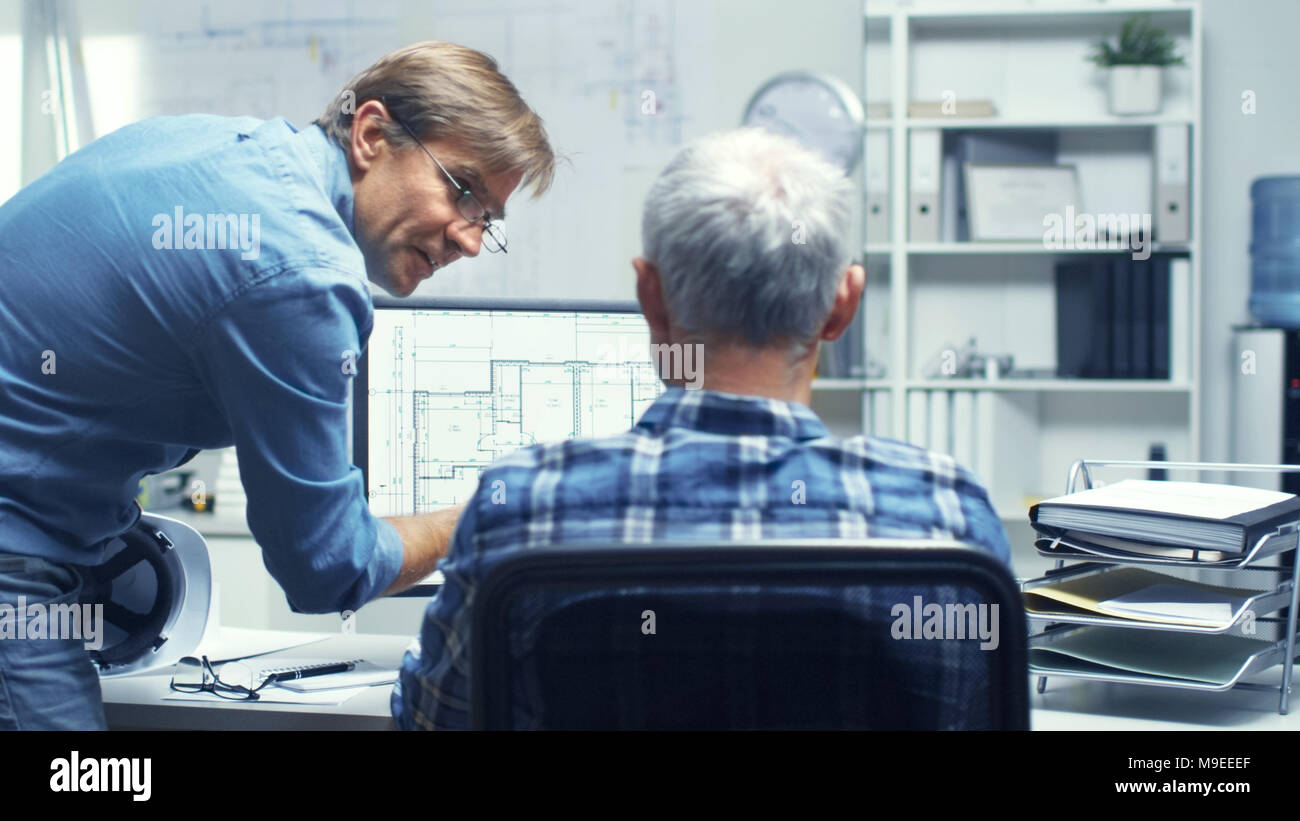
x=799, y=637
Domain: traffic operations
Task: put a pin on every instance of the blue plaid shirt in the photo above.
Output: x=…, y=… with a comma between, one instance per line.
x=699, y=465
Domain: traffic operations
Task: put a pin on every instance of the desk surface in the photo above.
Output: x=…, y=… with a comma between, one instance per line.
x=136, y=702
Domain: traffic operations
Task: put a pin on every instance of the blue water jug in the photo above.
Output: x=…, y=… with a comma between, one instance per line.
x=1275, y=251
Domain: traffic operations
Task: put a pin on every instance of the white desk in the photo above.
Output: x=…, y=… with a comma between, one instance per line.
x=137, y=702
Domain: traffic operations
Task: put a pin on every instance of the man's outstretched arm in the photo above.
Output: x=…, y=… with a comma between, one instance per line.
x=425, y=540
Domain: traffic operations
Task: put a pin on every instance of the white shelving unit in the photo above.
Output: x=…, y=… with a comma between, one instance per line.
x=1028, y=57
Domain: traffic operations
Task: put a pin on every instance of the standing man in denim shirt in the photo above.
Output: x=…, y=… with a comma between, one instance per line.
x=195, y=282
x=746, y=255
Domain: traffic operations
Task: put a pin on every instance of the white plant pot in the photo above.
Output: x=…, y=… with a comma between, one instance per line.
x=1134, y=89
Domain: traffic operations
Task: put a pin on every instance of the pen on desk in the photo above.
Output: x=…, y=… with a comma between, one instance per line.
x=323, y=670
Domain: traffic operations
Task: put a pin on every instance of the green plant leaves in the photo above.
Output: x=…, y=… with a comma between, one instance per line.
x=1140, y=44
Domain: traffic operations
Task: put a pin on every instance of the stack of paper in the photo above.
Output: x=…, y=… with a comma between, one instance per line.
x=1217, y=660
x=1139, y=595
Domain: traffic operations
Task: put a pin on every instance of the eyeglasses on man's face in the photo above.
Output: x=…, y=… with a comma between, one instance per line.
x=494, y=238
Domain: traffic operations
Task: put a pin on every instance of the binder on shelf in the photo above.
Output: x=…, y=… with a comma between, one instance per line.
x=881, y=414
x=986, y=431
x=1139, y=280
x=924, y=174
x=1121, y=318
x=877, y=164
x=1180, y=309
x=940, y=414
x=1172, y=195
x=1121, y=345
x=1159, y=272
x=1077, y=314
x=963, y=428
x=918, y=418
x=1084, y=319
x=1103, y=357
x=1202, y=515
x=950, y=195
x=843, y=358
x=828, y=364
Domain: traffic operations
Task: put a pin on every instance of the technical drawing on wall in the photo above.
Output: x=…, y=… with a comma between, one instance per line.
x=285, y=59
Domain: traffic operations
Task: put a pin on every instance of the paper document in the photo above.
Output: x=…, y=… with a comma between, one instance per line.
x=1183, y=656
x=1139, y=595
x=1171, y=601
x=276, y=695
x=232, y=643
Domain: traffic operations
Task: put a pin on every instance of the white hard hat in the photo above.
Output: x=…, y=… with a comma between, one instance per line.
x=155, y=585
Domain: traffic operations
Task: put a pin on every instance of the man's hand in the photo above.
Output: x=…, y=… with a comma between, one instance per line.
x=425, y=540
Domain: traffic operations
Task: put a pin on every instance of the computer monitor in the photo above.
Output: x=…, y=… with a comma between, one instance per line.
x=448, y=385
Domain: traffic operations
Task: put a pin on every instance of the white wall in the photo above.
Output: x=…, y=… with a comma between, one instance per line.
x=1248, y=46
x=744, y=42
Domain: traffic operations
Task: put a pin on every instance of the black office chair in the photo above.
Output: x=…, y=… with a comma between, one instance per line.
x=789, y=635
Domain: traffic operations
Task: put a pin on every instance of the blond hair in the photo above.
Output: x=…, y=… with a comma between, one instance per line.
x=445, y=91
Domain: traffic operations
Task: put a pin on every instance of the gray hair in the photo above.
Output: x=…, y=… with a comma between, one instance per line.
x=749, y=232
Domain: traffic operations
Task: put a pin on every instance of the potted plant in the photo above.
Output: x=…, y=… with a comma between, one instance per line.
x=1134, y=65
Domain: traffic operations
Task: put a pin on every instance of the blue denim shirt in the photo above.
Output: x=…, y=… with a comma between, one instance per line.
x=699, y=465
x=180, y=284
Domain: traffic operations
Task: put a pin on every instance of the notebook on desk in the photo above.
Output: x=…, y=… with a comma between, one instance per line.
x=363, y=674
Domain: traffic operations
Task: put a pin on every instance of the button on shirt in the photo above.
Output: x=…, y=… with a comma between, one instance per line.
x=699, y=465
x=180, y=284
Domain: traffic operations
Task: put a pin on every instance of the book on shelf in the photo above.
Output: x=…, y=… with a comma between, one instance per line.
x=1225, y=518
x=930, y=109
x=878, y=111
x=1121, y=346
x=844, y=357
x=1082, y=312
x=1139, y=282
x=1160, y=307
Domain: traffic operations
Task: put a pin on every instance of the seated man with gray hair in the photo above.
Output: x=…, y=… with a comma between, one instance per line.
x=746, y=255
